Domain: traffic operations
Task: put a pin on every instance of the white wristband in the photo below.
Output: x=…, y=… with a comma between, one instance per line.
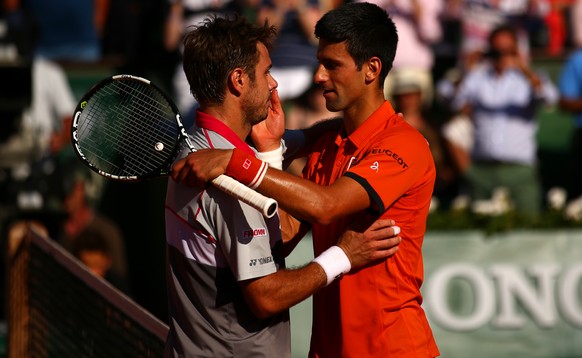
x=274, y=158
x=334, y=262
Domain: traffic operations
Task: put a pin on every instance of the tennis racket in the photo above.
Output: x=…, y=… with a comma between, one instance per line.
x=126, y=128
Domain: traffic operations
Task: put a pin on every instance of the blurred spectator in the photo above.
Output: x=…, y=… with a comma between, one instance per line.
x=84, y=223
x=407, y=99
x=502, y=96
x=294, y=51
x=39, y=130
x=68, y=30
x=183, y=14
x=457, y=128
x=570, y=85
x=93, y=249
x=419, y=28
x=479, y=17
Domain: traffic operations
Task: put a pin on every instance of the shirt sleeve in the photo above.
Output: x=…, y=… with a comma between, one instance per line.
x=392, y=167
x=463, y=95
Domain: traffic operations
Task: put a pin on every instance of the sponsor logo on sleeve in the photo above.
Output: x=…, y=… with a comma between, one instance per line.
x=391, y=154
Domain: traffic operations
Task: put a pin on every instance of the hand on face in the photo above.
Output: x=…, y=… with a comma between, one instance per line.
x=267, y=134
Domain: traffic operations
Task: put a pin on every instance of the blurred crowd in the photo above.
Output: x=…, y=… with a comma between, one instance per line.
x=465, y=76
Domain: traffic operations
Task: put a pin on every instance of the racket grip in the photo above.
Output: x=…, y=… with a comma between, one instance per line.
x=267, y=206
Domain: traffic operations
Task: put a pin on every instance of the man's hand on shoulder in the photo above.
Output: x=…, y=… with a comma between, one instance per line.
x=200, y=167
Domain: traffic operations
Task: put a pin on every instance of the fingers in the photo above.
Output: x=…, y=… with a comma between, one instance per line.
x=176, y=172
x=384, y=237
x=275, y=98
x=389, y=243
x=383, y=228
x=277, y=107
x=186, y=172
x=386, y=248
x=379, y=242
x=391, y=248
x=380, y=224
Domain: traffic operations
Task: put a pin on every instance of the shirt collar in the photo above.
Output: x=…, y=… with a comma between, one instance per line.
x=381, y=118
x=206, y=121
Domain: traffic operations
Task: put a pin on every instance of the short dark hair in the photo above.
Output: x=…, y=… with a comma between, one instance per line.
x=215, y=48
x=90, y=239
x=367, y=29
x=503, y=28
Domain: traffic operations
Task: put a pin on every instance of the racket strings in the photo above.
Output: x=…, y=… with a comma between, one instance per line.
x=147, y=110
x=128, y=129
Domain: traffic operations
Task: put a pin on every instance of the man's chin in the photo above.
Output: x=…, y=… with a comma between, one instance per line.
x=332, y=107
x=259, y=120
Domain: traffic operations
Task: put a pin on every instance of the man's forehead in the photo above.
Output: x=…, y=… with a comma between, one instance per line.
x=331, y=49
x=264, y=56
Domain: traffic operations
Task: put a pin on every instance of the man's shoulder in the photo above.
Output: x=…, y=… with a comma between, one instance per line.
x=400, y=139
x=399, y=133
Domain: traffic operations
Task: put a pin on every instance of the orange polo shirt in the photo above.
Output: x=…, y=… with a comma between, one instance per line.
x=376, y=311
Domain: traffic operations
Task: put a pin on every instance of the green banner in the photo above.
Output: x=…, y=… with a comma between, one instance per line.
x=513, y=295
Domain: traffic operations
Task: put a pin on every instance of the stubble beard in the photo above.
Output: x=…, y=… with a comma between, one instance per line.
x=255, y=113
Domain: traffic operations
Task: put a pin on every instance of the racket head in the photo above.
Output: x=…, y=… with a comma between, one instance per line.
x=126, y=128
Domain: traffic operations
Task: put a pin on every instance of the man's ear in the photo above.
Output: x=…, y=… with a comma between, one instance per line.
x=374, y=66
x=236, y=81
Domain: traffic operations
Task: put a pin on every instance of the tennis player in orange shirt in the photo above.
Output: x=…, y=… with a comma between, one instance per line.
x=375, y=166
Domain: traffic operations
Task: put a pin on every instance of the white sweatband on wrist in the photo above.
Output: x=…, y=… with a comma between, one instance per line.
x=334, y=262
x=274, y=157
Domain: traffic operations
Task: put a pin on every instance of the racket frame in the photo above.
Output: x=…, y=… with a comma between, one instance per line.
x=267, y=206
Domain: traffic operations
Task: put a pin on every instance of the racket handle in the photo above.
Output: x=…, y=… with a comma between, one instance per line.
x=265, y=205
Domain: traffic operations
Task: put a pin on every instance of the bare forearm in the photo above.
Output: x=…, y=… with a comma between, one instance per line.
x=309, y=201
x=279, y=291
x=285, y=288
x=301, y=198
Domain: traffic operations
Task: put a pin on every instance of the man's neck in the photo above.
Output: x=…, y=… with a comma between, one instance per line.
x=358, y=113
x=232, y=119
